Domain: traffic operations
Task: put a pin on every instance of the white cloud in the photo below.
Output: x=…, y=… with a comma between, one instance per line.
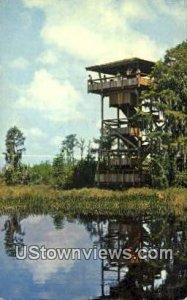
x=56, y=141
x=37, y=132
x=35, y=219
x=103, y=31
x=36, y=3
x=20, y=63
x=57, y=101
x=48, y=57
x=138, y=10
x=176, y=9
x=99, y=32
x=34, y=132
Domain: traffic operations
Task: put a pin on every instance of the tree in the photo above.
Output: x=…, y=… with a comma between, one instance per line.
x=68, y=147
x=84, y=172
x=81, y=145
x=14, y=147
x=90, y=150
x=16, y=172
x=105, y=141
x=62, y=172
x=167, y=123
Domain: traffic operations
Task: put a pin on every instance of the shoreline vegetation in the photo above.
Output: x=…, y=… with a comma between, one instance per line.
x=92, y=201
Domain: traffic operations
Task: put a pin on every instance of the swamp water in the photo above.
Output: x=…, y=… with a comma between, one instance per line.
x=108, y=278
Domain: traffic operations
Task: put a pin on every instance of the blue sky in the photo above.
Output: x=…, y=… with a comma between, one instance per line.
x=45, y=47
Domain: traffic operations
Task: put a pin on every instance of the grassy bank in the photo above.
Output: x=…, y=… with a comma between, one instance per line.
x=44, y=199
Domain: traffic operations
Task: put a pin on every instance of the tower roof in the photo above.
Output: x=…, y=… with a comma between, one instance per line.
x=121, y=66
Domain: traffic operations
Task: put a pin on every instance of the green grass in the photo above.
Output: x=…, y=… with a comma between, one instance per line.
x=44, y=199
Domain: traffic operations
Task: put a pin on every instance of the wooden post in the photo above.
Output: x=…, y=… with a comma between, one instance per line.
x=102, y=114
x=101, y=81
x=102, y=119
x=118, y=126
x=101, y=141
x=139, y=141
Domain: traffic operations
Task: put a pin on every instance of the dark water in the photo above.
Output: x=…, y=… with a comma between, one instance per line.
x=109, y=278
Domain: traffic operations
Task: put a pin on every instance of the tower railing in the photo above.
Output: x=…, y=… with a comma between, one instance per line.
x=115, y=82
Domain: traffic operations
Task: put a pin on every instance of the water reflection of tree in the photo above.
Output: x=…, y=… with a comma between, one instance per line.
x=58, y=221
x=138, y=279
x=13, y=234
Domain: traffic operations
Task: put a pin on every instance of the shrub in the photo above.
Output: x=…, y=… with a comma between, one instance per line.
x=41, y=173
x=62, y=172
x=84, y=173
x=158, y=174
x=181, y=179
x=18, y=175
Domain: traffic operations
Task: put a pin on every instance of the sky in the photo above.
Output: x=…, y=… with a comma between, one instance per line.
x=45, y=47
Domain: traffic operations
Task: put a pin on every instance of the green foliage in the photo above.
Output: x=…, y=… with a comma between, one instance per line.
x=15, y=173
x=2, y=178
x=68, y=147
x=62, y=172
x=14, y=147
x=168, y=93
x=158, y=174
x=84, y=173
x=70, y=173
x=106, y=140
x=18, y=175
x=181, y=179
x=41, y=173
x=81, y=145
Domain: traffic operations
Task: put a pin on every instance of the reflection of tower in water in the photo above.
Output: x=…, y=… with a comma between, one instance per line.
x=118, y=235
x=142, y=279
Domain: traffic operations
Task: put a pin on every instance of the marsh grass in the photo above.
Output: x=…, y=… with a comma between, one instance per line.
x=44, y=199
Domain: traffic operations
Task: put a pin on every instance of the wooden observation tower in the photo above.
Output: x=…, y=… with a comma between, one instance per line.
x=123, y=146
